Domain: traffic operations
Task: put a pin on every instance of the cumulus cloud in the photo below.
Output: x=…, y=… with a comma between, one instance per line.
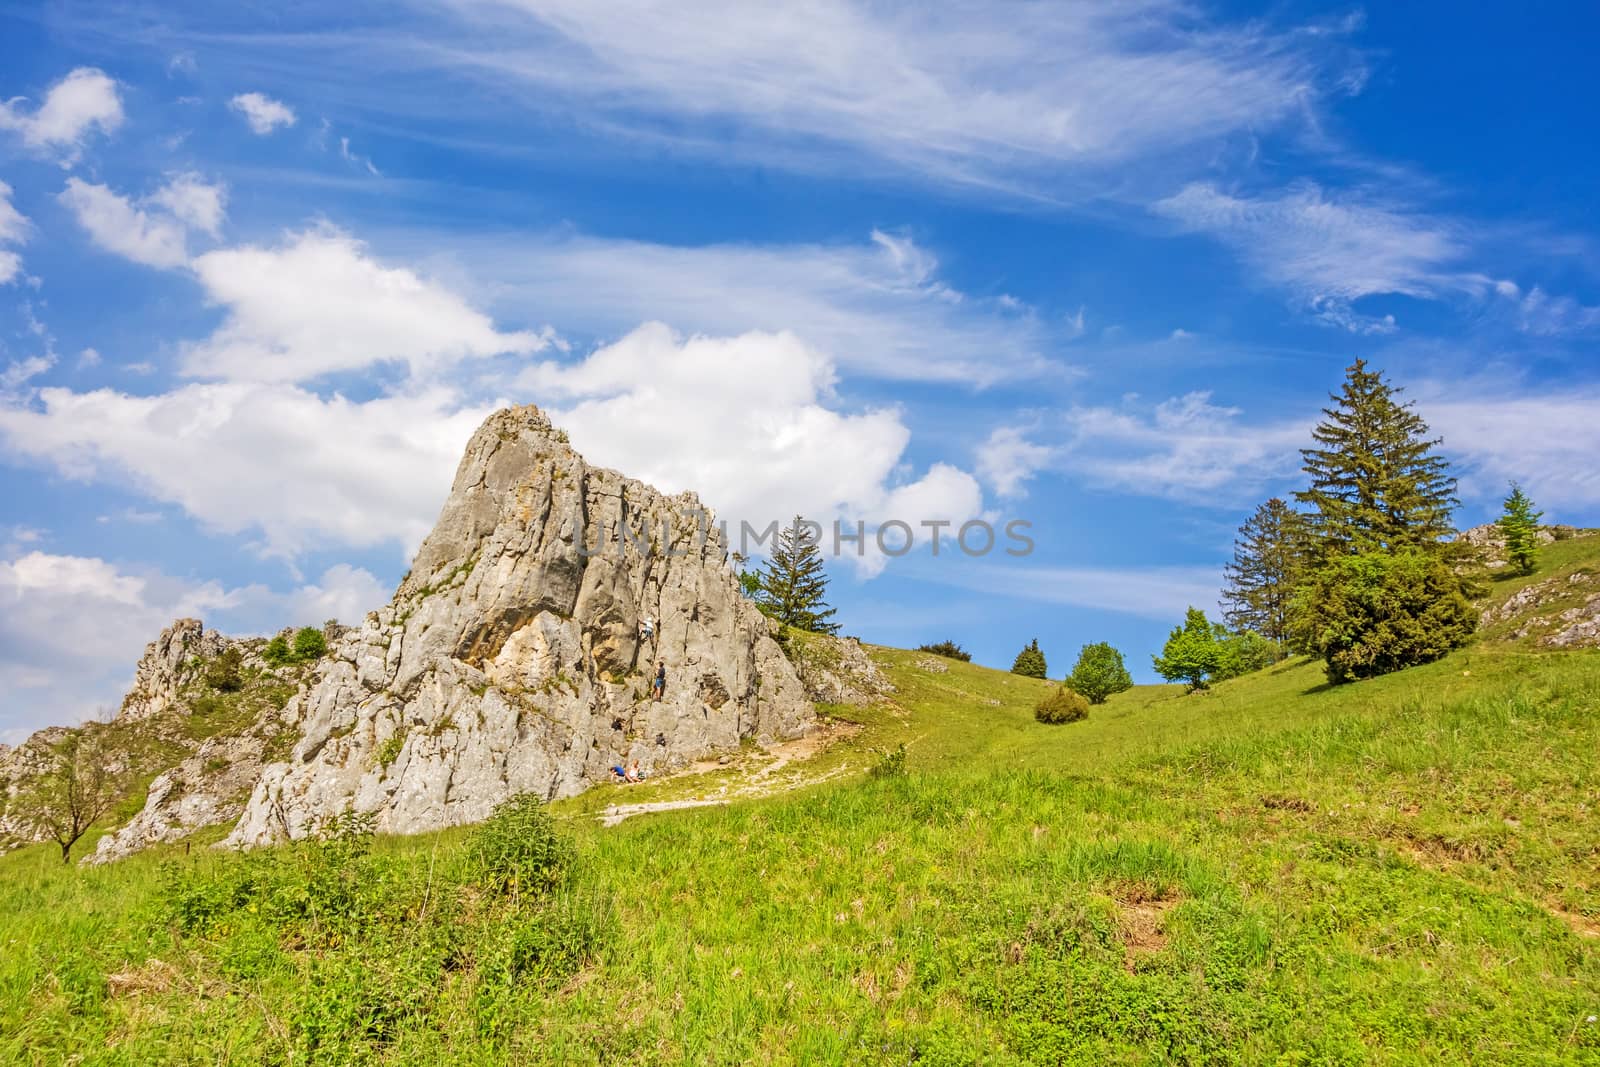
x=274, y=462
x=319, y=303
x=263, y=113
x=153, y=231
x=193, y=201
x=84, y=101
x=14, y=229
x=74, y=626
x=745, y=422
x=1008, y=459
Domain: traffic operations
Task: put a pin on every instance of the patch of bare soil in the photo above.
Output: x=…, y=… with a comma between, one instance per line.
x=1141, y=920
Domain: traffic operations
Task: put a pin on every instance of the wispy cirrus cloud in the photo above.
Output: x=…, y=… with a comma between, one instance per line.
x=1331, y=250
x=878, y=307
x=957, y=90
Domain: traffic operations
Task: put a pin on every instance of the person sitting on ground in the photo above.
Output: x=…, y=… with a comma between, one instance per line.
x=620, y=772
x=658, y=687
x=633, y=774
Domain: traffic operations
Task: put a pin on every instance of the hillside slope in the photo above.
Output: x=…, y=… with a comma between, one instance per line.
x=1404, y=870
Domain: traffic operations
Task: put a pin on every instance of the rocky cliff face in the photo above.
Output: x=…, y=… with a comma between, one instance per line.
x=515, y=656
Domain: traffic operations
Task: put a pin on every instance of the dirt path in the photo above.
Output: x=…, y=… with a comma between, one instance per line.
x=765, y=780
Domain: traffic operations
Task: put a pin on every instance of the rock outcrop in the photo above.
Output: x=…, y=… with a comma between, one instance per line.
x=169, y=663
x=837, y=670
x=517, y=655
x=19, y=768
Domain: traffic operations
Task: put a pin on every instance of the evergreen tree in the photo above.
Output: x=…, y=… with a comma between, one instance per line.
x=1376, y=482
x=1376, y=612
x=1268, y=558
x=1520, y=526
x=1191, y=653
x=794, y=584
x=1030, y=661
x=1099, y=673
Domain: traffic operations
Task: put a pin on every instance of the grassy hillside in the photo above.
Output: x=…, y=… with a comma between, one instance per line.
x=1405, y=870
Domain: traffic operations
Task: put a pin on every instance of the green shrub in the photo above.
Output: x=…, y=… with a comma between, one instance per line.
x=518, y=851
x=1244, y=653
x=309, y=644
x=891, y=763
x=389, y=751
x=277, y=651
x=1191, y=653
x=225, y=672
x=1099, y=673
x=1375, y=612
x=1061, y=705
x=948, y=649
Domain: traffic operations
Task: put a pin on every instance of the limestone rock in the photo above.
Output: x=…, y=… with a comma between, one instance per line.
x=837, y=670
x=171, y=661
x=207, y=789
x=514, y=656
x=19, y=767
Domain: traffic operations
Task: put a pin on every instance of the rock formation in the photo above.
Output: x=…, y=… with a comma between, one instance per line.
x=517, y=654
x=169, y=663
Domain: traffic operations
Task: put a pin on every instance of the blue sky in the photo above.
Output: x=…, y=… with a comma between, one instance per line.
x=1095, y=267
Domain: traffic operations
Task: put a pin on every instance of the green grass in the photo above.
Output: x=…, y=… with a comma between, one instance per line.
x=1405, y=870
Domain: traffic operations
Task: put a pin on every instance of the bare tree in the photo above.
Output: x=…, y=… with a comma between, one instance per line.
x=73, y=793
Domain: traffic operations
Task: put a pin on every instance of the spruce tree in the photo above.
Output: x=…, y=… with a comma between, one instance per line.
x=1520, y=527
x=1030, y=661
x=1376, y=482
x=1268, y=558
x=794, y=584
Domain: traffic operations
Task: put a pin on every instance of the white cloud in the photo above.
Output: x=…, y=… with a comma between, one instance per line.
x=193, y=201
x=88, y=358
x=119, y=227
x=1185, y=449
x=1547, y=441
x=1008, y=459
x=263, y=113
x=84, y=100
x=318, y=303
x=1144, y=592
x=73, y=627
x=956, y=93
x=1330, y=252
x=20, y=372
x=876, y=307
x=14, y=228
x=1543, y=315
x=744, y=422
x=272, y=461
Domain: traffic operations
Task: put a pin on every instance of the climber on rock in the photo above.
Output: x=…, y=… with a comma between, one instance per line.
x=658, y=687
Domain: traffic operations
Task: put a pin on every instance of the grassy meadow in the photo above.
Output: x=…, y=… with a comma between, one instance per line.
x=1405, y=870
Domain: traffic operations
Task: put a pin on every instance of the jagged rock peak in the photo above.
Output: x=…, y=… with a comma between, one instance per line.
x=169, y=662
x=517, y=654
